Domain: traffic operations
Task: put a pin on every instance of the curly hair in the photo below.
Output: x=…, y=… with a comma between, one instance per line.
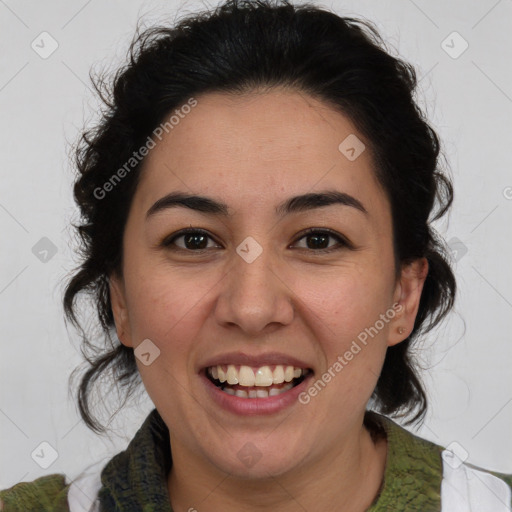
x=240, y=47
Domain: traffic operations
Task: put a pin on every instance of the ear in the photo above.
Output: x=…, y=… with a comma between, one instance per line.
x=119, y=309
x=407, y=297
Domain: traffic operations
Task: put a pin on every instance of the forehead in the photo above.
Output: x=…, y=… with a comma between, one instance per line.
x=258, y=148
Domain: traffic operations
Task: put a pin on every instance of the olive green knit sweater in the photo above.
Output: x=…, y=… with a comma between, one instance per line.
x=136, y=479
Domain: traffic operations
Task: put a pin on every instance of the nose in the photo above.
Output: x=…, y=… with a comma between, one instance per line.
x=255, y=295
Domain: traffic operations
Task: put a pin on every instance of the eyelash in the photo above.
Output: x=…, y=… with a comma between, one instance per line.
x=342, y=241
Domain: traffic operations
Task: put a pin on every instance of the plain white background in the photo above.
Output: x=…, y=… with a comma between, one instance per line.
x=44, y=103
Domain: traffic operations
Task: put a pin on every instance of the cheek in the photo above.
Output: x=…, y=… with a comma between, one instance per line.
x=168, y=307
x=166, y=310
x=344, y=317
x=347, y=301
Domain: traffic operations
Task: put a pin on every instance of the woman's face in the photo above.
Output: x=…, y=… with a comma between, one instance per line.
x=253, y=289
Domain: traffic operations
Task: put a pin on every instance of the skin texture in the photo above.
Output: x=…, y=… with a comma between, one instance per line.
x=253, y=152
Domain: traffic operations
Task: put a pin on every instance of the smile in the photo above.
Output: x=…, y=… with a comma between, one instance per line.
x=261, y=382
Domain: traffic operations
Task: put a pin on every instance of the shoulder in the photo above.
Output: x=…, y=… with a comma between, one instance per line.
x=443, y=473
x=466, y=485
x=45, y=493
x=53, y=493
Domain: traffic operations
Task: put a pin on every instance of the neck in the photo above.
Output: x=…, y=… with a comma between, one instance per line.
x=350, y=474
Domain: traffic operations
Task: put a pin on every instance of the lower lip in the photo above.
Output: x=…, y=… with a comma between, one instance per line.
x=252, y=406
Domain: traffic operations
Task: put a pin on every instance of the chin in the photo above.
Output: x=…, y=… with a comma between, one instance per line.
x=253, y=462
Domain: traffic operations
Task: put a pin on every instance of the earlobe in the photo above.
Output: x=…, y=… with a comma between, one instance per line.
x=408, y=294
x=119, y=309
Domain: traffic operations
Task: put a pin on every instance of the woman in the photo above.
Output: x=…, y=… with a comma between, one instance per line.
x=256, y=228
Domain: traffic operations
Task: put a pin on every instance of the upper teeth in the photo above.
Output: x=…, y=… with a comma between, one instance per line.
x=262, y=376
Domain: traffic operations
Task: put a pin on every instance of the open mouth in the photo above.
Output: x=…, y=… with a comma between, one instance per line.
x=263, y=382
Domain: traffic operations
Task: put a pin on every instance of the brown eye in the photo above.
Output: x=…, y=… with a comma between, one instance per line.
x=190, y=240
x=319, y=240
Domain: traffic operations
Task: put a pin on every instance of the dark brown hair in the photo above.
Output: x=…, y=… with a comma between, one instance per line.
x=240, y=47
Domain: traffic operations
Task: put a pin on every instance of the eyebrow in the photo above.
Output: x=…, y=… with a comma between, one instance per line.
x=295, y=204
